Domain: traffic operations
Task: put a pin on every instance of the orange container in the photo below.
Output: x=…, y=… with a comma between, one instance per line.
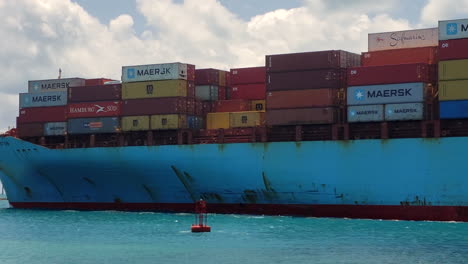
x=301, y=98
x=426, y=55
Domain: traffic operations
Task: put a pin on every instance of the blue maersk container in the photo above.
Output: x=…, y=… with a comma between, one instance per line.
x=42, y=99
x=453, y=109
x=386, y=94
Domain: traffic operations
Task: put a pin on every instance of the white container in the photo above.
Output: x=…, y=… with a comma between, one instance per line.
x=403, y=39
x=54, y=85
x=154, y=72
x=453, y=29
x=410, y=111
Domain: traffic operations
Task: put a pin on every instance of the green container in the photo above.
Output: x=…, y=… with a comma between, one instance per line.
x=155, y=89
x=453, y=70
x=168, y=122
x=453, y=90
x=135, y=123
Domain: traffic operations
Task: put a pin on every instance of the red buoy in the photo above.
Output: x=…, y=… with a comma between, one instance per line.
x=201, y=218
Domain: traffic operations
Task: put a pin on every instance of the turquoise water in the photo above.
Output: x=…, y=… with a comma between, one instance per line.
x=28, y=236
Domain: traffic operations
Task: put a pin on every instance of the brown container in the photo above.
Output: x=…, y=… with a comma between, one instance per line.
x=95, y=93
x=301, y=80
x=301, y=98
x=207, y=77
x=43, y=114
x=301, y=116
x=453, y=49
x=426, y=55
x=154, y=106
x=232, y=105
x=207, y=107
x=30, y=130
x=403, y=73
x=312, y=60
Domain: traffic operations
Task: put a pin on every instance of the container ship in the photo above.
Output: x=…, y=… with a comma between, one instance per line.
x=379, y=135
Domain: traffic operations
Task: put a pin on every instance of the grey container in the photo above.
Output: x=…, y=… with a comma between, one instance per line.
x=365, y=113
x=54, y=85
x=206, y=92
x=93, y=125
x=42, y=99
x=55, y=129
x=386, y=93
x=410, y=111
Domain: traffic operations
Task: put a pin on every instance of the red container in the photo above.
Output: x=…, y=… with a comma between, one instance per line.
x=248, y=91
x=301, y=80
x=154, y=106
x=301, y=116
x=301, y=98
x=228, y=79
x=191, y=89
x=94, y=109
x=43, y=114
x=403, y=73
x=97, y=81
x=108, y=92
x=30, y=130
x=453, y=49
x=222, y=92
x=312, y=61
x=207, y=76
x=199, y=111
x=190, y=72
x=427, y=55
x=248, y=75
x=231, y=106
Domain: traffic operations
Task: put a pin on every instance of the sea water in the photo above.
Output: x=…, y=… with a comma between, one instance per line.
x=38, y=236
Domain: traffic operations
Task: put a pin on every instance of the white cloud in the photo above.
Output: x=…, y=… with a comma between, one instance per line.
x=443, y=10
x=41, y=36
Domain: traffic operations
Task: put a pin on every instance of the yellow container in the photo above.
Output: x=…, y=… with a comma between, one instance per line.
x=222, y=78
x=453, y=90
x=453, y=70
x=247, y=119
x=167, y=88
x=166, y=122
x=217, y=120
x=258, y=105
x=135, y=123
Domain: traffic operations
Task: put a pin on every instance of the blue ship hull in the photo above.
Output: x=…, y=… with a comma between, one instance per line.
x=414, y=179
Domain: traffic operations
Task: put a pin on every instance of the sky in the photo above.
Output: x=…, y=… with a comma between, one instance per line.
x=95, y=38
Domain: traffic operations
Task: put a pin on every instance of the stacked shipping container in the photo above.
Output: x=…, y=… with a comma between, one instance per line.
x=94, y=109
x=43, y=109
x=396, y=76
x=393, y=84
x=302, y=88
x=453, y=69
x=211, y=84
x=159, y=97
x=246, y=104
